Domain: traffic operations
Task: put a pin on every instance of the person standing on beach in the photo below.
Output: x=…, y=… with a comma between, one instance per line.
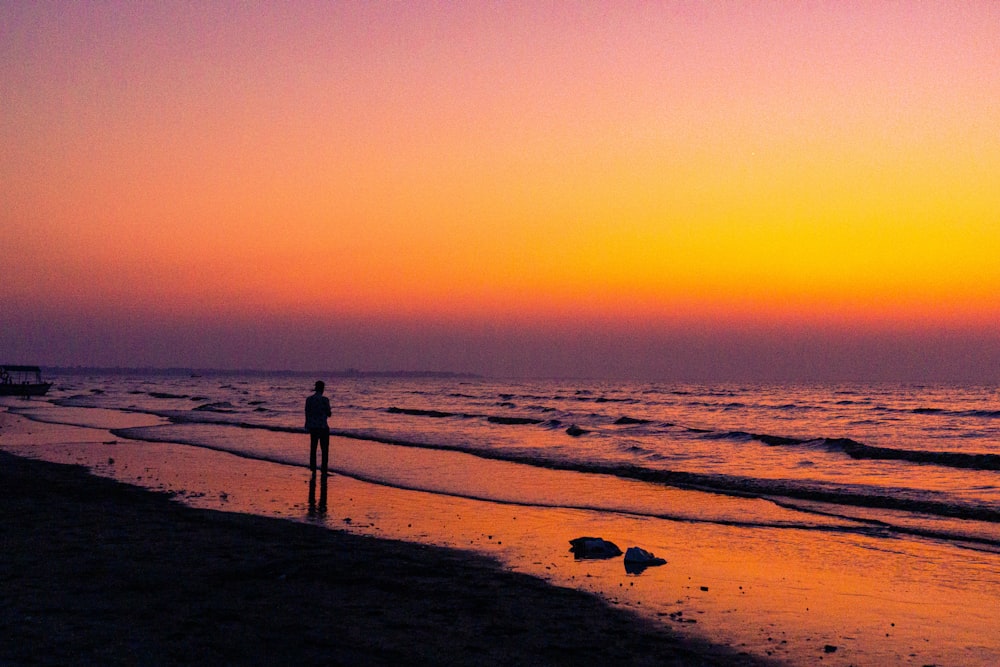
x=317, y=410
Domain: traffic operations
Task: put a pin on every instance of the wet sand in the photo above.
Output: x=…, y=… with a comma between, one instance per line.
x=94, y=571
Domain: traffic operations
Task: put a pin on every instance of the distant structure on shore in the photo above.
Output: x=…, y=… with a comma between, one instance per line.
x=19, y=380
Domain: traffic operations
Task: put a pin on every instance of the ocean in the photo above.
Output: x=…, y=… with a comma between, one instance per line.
x=882, y=468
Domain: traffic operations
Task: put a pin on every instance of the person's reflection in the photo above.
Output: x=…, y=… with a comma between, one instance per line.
x=317, y=510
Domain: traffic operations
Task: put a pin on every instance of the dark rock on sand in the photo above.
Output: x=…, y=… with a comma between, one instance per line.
x=594, y=548
x=637, y=560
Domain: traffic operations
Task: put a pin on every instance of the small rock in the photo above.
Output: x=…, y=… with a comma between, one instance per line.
x=829, y=648
x=637, y=555
x=637, y=560
x=594, y=547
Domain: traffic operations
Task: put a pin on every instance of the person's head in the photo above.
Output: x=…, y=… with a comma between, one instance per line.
x=320, y=386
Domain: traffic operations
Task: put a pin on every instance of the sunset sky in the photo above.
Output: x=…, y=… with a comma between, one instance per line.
x=664, y=190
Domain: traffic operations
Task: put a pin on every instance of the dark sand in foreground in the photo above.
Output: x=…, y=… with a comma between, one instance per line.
x=97, y=572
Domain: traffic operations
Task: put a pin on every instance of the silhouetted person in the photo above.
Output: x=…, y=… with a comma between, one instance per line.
x=317, y=410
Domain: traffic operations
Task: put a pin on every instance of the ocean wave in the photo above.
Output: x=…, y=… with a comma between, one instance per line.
x=989, y=414
x=637, y=449
x=217, y=418
x=79, y=401
x=414, y=412
x=581, y=396
x=220, y=406
x=944, y=412
x=503, y=420
x=158, y=435
x=526, y=397
x=628, y=421
x=745, y=436
x=606, y=399
x=513, y=421
x=859, y=450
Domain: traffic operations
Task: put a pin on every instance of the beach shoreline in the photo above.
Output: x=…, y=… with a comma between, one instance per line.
x=100, y=572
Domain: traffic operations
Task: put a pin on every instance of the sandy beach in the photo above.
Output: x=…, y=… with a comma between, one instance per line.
x=99, y=572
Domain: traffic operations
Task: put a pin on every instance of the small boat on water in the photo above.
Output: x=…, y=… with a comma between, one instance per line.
x=22, y=381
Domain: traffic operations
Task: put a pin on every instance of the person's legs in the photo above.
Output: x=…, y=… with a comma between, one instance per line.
x=314, y=437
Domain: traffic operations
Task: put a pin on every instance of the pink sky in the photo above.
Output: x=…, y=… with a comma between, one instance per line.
x=710, y=190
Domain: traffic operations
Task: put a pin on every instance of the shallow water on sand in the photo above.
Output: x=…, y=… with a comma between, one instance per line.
x=793, y=563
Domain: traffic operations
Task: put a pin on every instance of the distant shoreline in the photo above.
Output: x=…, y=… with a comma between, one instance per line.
x=179, y=371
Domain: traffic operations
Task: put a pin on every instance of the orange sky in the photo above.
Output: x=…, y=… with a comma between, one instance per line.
x=815, y=168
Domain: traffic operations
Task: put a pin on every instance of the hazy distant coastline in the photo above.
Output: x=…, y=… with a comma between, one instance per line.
x=175, y=371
